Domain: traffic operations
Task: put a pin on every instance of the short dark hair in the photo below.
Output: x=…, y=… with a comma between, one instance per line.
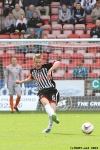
x=98, y=18
x=78, y=3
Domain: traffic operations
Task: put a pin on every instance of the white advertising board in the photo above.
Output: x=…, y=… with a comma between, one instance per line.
x=70, y=87
x=27, y=103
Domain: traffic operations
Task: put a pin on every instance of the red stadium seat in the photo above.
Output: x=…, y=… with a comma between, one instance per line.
x=59, y=72
x=85, y=36
x=61, y=36
x=54, y=19
x=79, y=29
x=26, y=66
x=51, y=36
x=53, y=57
x=6, y=56
x=89, y=58
x=65, y=58
x=68, y=29
x=56, y=29
x=71, y=67
x=77, y=56
x=91, y=50
x=68, y=76
x=46, y=29
x=74, y=36
x=93, y=75
x=45, y=56
x=54, y=7
x=4, y=36
x=14, y=36
x=88, y=28
x=19, y=55
x=89, y=19
x=95, y=68
x=46, y=19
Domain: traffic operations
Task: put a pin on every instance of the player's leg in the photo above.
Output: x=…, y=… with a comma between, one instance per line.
x=11, y=92
x=50, y=109
x=11, y=103
x=50, y=125
x=18, y=92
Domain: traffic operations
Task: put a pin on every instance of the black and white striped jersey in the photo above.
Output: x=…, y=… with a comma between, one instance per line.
x=40, y=76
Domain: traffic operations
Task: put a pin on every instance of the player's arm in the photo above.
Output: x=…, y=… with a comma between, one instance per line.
x=55, y=65
x=30, y=79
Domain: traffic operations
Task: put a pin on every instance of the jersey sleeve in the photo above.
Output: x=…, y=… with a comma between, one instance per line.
x=48, y=66
x=31, y=73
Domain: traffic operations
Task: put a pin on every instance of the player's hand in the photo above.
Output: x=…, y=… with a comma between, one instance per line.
x=18, y=82
x=49, y=74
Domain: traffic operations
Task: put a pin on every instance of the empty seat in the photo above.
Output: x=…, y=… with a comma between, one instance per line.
x=51, y=36
x=60, y=71
x=95, y=68
x=53, y=57
x=68, y=76
x=85, y=36
x=68, y=29
x=93, y=75
x=89, y=19
x=19, y=56
x=88, y=27
x=92, y=50
x=6, y=56
x=27, y=66
x=46, y=29
x=89, y=58
x=56, y=29
x=10, y=51
x=79, y=29
x=61, y=36
x=54, y=7
x=29, y=55
x=71, y=67
x=77, y=56
x=73, y=36
x=54, y=19
x=65, y=58
x=46, y=19
x=4, y=36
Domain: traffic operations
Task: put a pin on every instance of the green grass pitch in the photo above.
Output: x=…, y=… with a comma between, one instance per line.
x=24, y=131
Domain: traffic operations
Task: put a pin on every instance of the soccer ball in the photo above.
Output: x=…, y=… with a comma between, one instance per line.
x=87, y=128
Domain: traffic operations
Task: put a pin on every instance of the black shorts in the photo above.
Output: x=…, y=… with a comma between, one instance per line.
x=51, y=94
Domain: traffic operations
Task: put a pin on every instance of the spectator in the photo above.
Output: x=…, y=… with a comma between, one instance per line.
x=9, y=24
x=68, y=3
x=32, y=35
x=35, y=22
x=95, y=32
x=88, y=5
x=27, y=3
x=8, y=7
x=29, y=13
x=18, y=11
x=79, y=14
x=65, y=15
x=80, y=70
x=20, y=2
x=96, y=11
x=43, y=5
x=21, y=24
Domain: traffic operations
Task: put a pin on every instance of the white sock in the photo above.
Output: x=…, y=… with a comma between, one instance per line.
x=50, y=123
x=49, y=109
